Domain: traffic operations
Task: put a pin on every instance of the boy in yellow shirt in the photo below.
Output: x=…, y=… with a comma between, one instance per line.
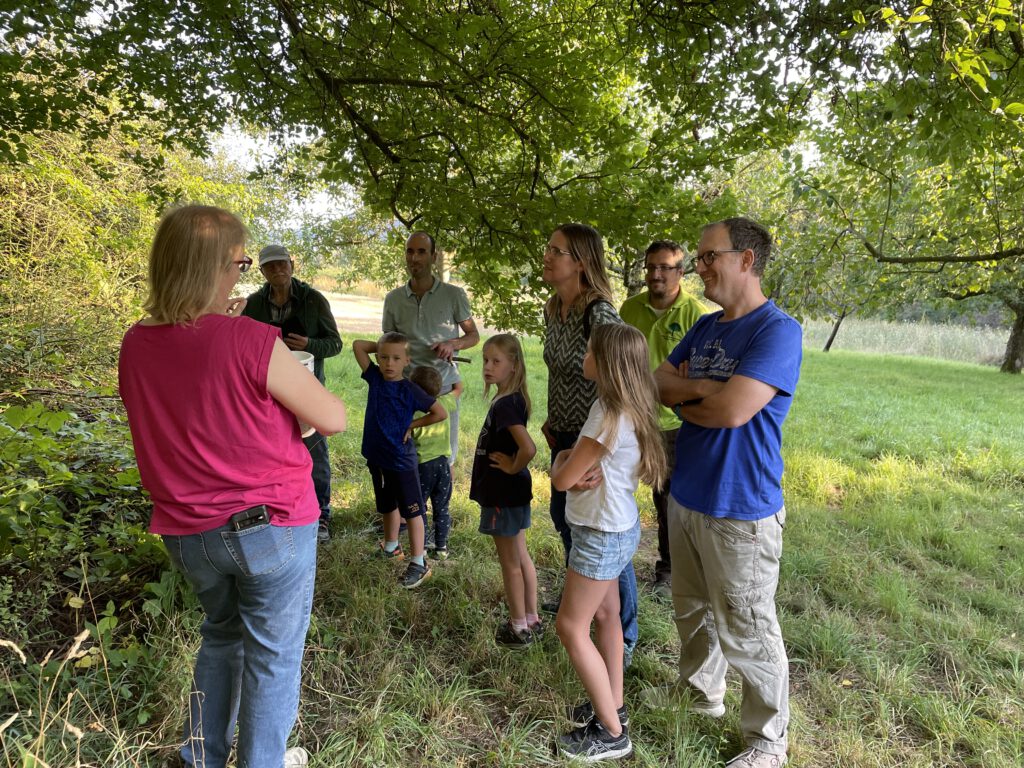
x=433, y=446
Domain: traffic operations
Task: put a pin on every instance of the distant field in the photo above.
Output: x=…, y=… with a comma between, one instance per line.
x=945, y=342
x=985, y=346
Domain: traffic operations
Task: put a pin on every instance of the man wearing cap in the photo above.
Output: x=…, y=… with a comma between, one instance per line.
x=431, y=312
x=307, y=324
x=663, y=313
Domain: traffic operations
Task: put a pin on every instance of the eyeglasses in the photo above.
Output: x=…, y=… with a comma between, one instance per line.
x=708, y=257
x=653, y=269
x=554, y=250
x=243, y=264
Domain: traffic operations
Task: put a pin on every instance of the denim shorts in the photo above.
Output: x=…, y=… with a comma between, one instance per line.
x=504, y=521
x=602, y=555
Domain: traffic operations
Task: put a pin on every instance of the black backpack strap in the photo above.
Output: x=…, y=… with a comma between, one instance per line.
x=586, y=316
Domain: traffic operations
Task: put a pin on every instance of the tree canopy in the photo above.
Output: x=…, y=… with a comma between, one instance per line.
x=491, y=121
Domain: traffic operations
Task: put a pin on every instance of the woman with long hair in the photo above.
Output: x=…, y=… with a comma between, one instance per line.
x=574, y=267
x=622, y=437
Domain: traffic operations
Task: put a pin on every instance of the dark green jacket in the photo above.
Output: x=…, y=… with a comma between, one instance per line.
x=312, y=310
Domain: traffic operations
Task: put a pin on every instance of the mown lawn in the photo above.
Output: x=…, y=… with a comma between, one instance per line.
x=901, y=600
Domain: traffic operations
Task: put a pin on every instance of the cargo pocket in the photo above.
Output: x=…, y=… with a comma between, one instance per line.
x=750, y=615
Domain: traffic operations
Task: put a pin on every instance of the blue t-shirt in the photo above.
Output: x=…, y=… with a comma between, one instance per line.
x=390, y=406
x=737, y=473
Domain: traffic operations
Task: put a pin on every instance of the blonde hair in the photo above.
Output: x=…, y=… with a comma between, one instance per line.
x=193, y=245
x=625, y=386
x=586, y=247
x=509, y=346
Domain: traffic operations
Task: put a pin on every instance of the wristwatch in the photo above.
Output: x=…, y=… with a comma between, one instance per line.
x=677, y=409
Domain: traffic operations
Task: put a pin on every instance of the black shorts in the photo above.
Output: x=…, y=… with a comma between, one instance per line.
x=397, y=490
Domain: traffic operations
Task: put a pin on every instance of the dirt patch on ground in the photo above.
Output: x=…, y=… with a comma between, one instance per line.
x=362, y=314
x=356, y=314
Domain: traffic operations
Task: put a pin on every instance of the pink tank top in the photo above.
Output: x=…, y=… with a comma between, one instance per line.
x=209, y=438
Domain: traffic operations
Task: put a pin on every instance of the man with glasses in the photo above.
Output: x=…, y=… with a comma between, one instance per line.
x=431, y=313
x=307, y=324
x=663, y=313
x=731, y=382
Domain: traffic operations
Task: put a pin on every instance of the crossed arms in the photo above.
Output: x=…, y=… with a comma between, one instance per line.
x=709, y=403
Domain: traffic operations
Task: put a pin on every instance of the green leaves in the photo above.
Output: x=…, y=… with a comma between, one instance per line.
x=34, y=416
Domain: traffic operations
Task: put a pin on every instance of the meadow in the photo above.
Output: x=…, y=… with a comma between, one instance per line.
x=943, y=341
x=901, y=601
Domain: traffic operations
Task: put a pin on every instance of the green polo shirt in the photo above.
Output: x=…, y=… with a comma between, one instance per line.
x=663, y=333
x=434, y=440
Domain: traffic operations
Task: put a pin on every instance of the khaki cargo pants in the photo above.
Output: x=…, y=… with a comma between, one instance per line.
x=724, y=576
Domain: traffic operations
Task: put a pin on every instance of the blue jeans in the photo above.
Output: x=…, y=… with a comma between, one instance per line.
x=316, y=444
x=256, y=589
x=627, y=579
x=436, y=487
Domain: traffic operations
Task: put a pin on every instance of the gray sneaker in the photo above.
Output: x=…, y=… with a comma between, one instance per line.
x=755, y=758
x=323, y=532
x=662, y=586
x=582, y=714
x=296, y=757
x=593, y=743
x=675, y=696
x=415, y=574
x=508, y=636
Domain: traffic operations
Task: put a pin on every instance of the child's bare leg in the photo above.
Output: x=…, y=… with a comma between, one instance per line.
x=414, y=525
x=580, y=601
x=529, y=575
x=608, y=638
x=511, y=575
x=391, y=524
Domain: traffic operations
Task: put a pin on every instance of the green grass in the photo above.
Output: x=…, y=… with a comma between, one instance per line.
x=901, y=600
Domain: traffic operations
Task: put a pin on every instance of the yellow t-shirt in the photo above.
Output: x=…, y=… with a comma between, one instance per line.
x=434, y=440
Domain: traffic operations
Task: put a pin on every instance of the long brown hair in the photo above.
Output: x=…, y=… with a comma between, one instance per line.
x=194, y=244
x=509, y=346
x=625, y=386
x=586, y=247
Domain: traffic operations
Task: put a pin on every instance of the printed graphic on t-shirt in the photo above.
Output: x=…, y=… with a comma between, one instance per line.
x=712, y=361
x=671, y=334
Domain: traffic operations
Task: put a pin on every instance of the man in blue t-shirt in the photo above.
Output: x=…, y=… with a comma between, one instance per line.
x=731, y=382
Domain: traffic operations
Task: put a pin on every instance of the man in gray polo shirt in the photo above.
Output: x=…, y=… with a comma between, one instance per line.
x=431, y=312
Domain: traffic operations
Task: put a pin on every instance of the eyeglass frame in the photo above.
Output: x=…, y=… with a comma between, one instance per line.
x=243, y=264
x=714, y=253
x=652, y=269
x=549, y=248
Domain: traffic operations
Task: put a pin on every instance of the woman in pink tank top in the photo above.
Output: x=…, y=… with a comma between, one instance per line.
x=214, y=402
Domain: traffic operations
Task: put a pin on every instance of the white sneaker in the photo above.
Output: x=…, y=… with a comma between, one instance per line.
x=755, y=758
x=673, y=697
x=296, y=757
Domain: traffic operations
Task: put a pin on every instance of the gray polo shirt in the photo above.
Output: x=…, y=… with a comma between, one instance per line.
x=428, y=320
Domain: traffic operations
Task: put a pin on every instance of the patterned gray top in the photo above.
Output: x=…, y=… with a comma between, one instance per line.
x=569, y=394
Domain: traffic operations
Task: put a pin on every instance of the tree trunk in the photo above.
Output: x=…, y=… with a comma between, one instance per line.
x=1013, y=361
x=835, y=331
x=633, y=275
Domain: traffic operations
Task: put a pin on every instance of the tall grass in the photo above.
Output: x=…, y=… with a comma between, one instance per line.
x=901, y=600
x=985, y=346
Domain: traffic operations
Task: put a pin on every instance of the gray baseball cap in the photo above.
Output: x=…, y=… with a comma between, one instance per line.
x=274, y=253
